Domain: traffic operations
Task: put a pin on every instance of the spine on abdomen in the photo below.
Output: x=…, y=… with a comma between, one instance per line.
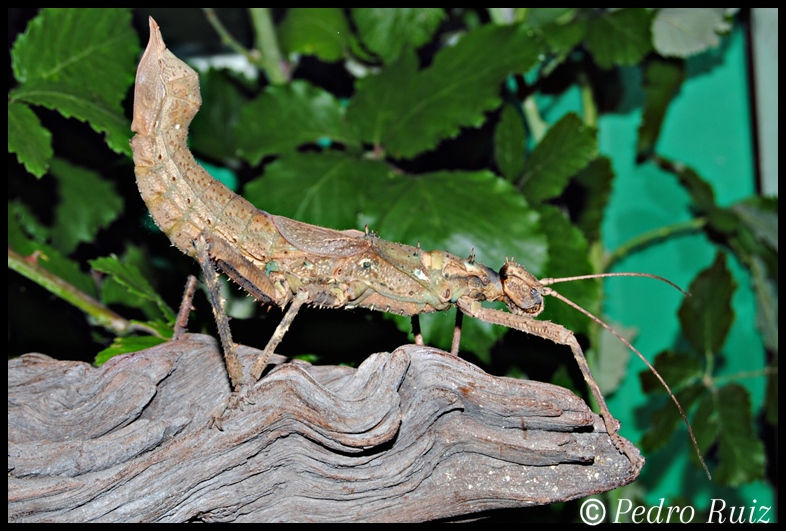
x=183, y=199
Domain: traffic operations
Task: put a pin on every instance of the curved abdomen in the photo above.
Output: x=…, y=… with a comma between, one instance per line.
x=183, y=199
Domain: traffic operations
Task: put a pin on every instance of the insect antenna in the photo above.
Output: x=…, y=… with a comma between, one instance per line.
x=549, y=291
x=549, y=281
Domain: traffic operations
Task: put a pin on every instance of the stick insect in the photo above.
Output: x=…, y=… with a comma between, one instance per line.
x=289, y=263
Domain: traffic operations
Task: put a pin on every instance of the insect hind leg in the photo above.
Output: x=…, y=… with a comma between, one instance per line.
x=234, y=368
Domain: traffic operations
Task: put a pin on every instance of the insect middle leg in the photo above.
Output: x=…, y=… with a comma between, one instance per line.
x=454, y=347
x=416, y=330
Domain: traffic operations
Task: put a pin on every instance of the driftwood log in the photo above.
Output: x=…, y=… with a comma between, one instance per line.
x=412, y=435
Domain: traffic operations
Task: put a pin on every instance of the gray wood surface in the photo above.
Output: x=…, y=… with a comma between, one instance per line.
x=412, y=435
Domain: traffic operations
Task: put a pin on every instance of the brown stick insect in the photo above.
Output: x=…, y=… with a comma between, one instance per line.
x=289, y=263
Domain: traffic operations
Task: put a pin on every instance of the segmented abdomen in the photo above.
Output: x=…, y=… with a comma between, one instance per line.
x=183, y=199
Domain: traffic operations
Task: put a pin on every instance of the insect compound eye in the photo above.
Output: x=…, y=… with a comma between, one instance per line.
x=527, y=299
x=536, y=301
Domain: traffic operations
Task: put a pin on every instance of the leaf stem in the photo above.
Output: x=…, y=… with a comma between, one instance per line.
x=648, y=238
x=588, y=101
x=536, y=123
x=227, y=37
x=744, y=375
x=267, y=44
x=29, y=267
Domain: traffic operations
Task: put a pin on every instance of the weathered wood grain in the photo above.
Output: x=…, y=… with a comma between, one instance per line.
x=412, y=435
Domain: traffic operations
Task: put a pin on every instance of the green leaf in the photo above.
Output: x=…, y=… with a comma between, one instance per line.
x=720, y=219
x=760, y=216
x=45, y=255
x=705, y=424
x=766, y=289
x=378, y=100
x=386, y=31
x=79, y=62
x=129, y=276
x=450, y=211
x=124, y=345
x=77, y=220
x=539, y=17
x=568, y=256
x=322, y=189
x=619, y=38
x=285, y=117
x=700, y=191
x=509, y=143
x=595, y=181
x=322, y=32
x=213, y=132
x=114, y=292
x=676, y=368
x=771, y=397
x=564, y=33
x=664, y=421
x=567, y=148
x=612, y=356
x=740, y=451
x=685, y=31
x=31, y=141
x=25, y=225
x=756, y=245
x=409, y=112
x=663, y=80
x=706, y=315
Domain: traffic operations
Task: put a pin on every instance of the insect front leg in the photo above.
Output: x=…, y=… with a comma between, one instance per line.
x=562, y=336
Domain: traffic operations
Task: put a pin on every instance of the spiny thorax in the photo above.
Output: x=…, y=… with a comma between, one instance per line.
x=469, y=278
